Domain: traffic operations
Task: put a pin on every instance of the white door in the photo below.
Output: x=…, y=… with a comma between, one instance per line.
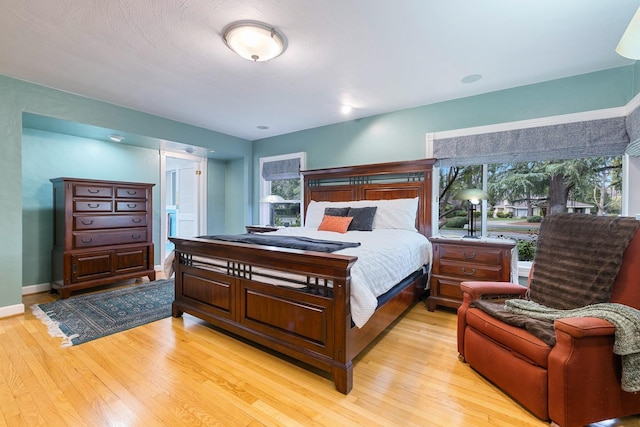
x=183, y=194
x=186, y=206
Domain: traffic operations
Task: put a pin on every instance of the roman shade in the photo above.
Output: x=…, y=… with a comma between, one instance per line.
x=281, y=169
x=633, y=129
x=579, y=139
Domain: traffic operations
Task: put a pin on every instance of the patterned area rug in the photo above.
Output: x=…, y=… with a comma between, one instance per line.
x=87, y=317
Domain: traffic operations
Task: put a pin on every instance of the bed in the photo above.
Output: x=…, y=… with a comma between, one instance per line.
x=300, y=302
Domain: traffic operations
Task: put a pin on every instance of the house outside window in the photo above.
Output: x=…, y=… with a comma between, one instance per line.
x=281, y=189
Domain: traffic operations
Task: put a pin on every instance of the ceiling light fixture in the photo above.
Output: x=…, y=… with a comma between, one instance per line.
x=629, y=45
x=254, y=41
x=346, y=109
x=116, y=138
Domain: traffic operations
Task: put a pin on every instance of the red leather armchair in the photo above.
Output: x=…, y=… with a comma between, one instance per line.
x=575, y=382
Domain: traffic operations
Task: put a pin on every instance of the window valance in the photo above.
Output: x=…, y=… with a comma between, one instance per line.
x=281, y=169
x=578, y=139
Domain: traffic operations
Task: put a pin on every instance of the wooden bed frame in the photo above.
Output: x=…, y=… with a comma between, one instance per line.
x=231, y=290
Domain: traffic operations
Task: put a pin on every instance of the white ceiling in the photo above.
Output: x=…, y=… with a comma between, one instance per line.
x=167, y=57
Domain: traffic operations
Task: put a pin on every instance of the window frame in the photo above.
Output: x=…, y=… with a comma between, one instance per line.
x=264, y=209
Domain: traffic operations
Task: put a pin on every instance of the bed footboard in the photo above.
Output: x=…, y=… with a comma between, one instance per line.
x=240, y=289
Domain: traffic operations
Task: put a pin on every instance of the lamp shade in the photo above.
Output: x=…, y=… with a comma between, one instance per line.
x=474, y=195
x=629, y=45
x=272, y=198
x=254, y=41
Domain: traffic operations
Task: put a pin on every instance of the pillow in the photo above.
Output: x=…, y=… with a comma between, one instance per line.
x=337, y=211
x=396, y=213
x=339, y=224
x=362, y=218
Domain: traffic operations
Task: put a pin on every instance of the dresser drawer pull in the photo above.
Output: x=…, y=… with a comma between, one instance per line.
x=93, y=205
x=132, y=192
x=89, y=240
x=131, y=205
x=468, y=255
x=469, y=273
x=87, y=222
x=93, y=191
x=136, y=236
x=136, y=220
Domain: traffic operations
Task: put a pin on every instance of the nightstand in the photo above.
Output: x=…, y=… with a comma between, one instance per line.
x=457, y=260
x=260, y=228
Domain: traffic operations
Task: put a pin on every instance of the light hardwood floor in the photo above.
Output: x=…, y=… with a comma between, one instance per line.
x=177, y=372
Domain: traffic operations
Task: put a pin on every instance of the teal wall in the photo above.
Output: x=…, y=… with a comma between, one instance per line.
x=18, y=97
x=401, y=135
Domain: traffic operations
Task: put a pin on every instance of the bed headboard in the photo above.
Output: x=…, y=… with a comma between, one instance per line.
x=380, y=181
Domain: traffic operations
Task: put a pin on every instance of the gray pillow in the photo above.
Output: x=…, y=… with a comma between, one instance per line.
x=362, y=218
x=336, y=211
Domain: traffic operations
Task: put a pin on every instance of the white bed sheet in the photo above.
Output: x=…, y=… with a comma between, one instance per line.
x=385, y=257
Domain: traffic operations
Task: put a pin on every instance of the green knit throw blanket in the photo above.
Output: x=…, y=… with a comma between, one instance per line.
x=627, y=335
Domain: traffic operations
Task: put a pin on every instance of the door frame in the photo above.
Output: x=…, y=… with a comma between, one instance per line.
x=201, y=195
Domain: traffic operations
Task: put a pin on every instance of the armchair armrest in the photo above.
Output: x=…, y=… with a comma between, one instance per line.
x=580, y=327
x=478, y=289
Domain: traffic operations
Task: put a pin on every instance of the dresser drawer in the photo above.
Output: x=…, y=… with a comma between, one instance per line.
x=131, y=206
x=82, y=190
x=105, y=238
x=469, y=271
x=95, y=222
x=92, y=206
x=131, y=193
x=476, y=255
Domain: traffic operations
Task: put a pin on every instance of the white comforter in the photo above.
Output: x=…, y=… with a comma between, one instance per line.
x=385, y=257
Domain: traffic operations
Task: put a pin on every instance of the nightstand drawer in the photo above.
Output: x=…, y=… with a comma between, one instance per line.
x=470, y=271
x=478, y=255
x=446, y=288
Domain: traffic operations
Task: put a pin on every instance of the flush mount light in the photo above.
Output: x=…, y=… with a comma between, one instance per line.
x=116, y=138
x=254, y=41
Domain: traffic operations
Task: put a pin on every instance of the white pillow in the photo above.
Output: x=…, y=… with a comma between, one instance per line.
x=395, y=213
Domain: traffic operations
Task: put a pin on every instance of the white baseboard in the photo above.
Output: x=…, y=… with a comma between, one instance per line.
x=11, y=310
x=34, y=289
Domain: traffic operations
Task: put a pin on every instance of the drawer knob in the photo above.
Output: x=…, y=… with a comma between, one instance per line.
x=84, y=240
x=131, y=205
x=469, y=272
x=132, y=192
x=135, y=236
x=469, y=255
x=93, y=191
x=87, y=222
x=93, y=205
x=136, y=220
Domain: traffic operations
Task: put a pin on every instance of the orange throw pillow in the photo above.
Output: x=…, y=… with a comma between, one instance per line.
x=339, y=224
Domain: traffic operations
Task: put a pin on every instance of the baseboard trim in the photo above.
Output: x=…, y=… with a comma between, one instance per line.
x=11, y=310
x=35, y=289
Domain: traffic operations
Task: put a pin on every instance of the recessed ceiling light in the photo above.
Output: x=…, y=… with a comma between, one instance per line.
x=471, y=78
x=254, y=41
x=116, y=138
x=263, y=127
x=346, y=109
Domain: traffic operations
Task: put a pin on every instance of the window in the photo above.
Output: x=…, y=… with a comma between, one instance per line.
x=529, y=169
x=280, y=177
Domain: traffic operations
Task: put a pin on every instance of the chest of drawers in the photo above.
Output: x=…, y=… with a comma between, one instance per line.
x=102, y=233
x=460, y=260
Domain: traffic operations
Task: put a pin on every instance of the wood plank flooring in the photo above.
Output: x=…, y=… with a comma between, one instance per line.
x=182, y=372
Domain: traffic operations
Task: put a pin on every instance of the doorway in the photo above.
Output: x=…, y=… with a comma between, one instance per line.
x=183, y=198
